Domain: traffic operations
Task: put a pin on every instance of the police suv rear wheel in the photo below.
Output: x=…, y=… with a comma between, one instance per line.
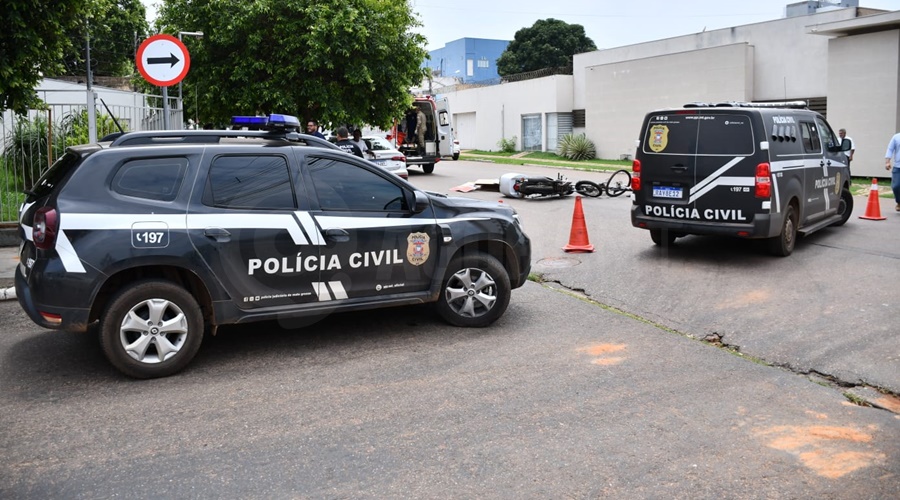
x=475, y=291
x=783, y=244
x=151, y=329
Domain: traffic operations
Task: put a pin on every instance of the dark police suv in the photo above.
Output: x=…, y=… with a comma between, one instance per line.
x=160, y=236
x=750, y=170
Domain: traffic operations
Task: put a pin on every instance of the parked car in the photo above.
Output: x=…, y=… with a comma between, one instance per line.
x=383, y=154
x=160, y=237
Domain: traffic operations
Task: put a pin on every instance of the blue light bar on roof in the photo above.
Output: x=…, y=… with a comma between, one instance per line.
x=272, y=122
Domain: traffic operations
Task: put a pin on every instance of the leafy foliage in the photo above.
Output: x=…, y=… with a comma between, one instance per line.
x=337, y=61
x=507, y=145
x=548, y=43
x=32, y=43
x=576, y=147
x=116, y=27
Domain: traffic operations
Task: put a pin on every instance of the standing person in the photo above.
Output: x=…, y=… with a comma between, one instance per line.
x=345, y=143
x=312, y=128
x=421, y=126
x=357, y=139
x=843, y=133
x=893, y=156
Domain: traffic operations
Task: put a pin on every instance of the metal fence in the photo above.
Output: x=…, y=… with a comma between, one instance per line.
x=31, y=142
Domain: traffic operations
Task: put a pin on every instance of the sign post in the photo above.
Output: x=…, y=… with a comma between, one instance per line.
x=163, y=60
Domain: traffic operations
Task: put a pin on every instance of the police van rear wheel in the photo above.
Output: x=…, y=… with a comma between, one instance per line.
x=151, y=329
x=428, y=168
x=845, y=207
x=783, y=244
x=475, y=291
x=662, y=237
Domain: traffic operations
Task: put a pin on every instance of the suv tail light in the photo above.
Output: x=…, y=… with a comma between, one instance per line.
x=45, y=227
x=763, y=182
x=636, y=175
x=399, y=158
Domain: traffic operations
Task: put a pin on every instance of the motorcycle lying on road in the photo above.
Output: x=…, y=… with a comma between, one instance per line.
x=540, y=186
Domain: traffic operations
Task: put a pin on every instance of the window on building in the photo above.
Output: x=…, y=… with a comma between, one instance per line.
x=470, y=67
x=484, y=63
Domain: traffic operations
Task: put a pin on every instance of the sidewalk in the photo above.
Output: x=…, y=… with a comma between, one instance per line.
x=9, y=259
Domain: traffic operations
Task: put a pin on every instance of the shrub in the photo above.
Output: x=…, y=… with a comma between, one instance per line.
x=507, y=145
x=576, y=147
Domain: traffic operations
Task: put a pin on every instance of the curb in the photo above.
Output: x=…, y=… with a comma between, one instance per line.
x=8, y=293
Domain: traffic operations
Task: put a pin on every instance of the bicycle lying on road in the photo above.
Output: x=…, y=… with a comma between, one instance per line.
x=618, y=183
x=540, y=186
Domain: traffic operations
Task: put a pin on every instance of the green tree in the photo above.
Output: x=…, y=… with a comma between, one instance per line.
x=548, y=43
x=116, y=27
x=32, y=43
x=338, y=61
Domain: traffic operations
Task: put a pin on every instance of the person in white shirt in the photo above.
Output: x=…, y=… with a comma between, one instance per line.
x=357, y=139
x=843, y=134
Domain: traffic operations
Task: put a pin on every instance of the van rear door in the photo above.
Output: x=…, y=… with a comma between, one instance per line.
x=444, y=132
x=698, y=166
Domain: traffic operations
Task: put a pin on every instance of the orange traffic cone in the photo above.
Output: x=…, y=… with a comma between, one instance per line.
x=873, y=208
x=578, y=236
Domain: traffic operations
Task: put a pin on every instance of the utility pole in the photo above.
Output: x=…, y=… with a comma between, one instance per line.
x=91, y=97
x=198, y=34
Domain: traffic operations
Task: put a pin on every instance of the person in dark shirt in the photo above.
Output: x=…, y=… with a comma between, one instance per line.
x=312, y=128
x=345, y=143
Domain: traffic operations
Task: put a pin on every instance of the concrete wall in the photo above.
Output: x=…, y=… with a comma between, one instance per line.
x=498, y=109
x=620, y=94
x=863, y=86
x=789, y=62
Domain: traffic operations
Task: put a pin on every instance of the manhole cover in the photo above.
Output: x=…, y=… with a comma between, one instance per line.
x=557, y=262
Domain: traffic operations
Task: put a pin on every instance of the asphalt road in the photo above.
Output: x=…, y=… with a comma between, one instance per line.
x=562, y=397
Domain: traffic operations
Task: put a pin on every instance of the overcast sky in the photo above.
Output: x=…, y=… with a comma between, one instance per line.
x=607, y=23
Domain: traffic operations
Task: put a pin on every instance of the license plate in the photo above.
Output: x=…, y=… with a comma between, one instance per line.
x=380, y=163
x=666, y=192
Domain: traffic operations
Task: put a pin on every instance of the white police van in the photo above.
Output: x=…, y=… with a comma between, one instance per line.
x=750, y=170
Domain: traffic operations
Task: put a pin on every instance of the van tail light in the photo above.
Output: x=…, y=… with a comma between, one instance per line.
x=763, y=182
x=636, y=175
x=45, y=227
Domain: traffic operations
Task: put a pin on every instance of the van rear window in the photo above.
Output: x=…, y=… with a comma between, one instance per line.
x=699, y=134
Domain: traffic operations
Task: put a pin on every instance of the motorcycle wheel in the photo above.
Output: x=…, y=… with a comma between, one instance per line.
x=588, y=188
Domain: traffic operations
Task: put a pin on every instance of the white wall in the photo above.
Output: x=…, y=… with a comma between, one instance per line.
x=620, y=94
x=498, y=109
x=863, y=83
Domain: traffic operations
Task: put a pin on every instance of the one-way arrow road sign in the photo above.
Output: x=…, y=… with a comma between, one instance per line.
x=163, y=60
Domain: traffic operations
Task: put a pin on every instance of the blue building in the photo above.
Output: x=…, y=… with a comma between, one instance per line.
x=470, y=60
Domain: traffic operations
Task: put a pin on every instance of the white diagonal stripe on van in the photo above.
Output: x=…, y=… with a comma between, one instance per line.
x=309, y=225
x=337, y=289
x=722, y=181
x=700, y=185
x=67, y=254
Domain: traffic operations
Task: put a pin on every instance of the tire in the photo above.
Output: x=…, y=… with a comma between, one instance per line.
x=428, y=168
x=845, y=207
x=455, y=156
x=588, y=188
x=662, y=237
x=125, y=324
x=475, y=291
x=783, y=244
x=618, y=183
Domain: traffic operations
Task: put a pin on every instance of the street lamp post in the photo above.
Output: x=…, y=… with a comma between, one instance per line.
x=197, y=34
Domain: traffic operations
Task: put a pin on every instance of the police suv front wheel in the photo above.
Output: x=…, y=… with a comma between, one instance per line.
x=475, y=291
x=151, y=329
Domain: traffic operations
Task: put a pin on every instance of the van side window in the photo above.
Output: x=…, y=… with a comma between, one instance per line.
x=810, y=137
x=827, y=134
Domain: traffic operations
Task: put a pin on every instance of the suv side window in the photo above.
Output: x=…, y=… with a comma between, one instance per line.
x=346, y=187
x=151, y=178
x=810, y=137
x=259, y=182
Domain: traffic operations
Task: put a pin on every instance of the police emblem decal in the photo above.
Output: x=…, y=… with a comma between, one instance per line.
x=417, y=251
x=837, y=184
x=659, y=138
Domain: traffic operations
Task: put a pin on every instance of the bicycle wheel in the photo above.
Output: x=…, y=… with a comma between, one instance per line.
x=588, y=188
x=618, y=183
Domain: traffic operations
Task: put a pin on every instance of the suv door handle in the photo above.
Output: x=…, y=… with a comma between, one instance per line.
x=217, y=233
x=337, y=235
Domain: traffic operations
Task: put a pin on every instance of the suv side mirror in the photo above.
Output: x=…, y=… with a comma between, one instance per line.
x=422, y=202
